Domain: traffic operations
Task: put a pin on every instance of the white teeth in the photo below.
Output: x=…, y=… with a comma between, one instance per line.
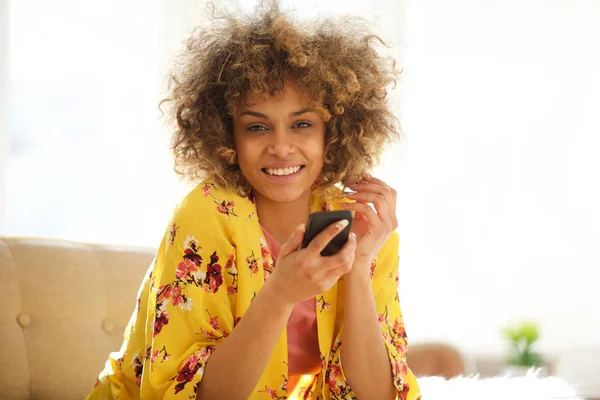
x=282, y=171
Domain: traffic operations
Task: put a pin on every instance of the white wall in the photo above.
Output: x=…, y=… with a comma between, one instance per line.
x=499, y=171
x=3, y=91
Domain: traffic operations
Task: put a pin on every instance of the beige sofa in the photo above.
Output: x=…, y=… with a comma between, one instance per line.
x=63, y=309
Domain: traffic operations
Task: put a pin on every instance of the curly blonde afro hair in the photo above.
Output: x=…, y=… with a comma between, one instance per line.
x=334, y=61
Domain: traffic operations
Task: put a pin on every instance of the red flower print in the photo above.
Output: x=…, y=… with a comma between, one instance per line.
x=159, y=322
x=403, y=392
x=193, y=256
x=231, y=290
x=230, y=262
x=185, y=268
x=164, y=293
x=399, y=327
x=206, y=189
x=191, y=367
x=323, y=305
x=162, y=353
x=186, y=374
x=252, y=264
x=176, y=297
x=138, y=368
x=214, y=277
x=264, y=249
x=214, y=322
x=226, y=208
x=172, y=234
x=399, y=368
x=266, y=257
x=333, y=385
x=272, y=393
x=335, y=371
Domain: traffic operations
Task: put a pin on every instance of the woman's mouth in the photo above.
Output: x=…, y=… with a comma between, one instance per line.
x=283, y=172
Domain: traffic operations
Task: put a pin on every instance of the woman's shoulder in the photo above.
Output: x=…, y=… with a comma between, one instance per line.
x=211, y=198
x=209, y=203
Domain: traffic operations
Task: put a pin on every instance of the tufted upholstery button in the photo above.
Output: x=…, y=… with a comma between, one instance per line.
x=108, y=325
x=23, y=320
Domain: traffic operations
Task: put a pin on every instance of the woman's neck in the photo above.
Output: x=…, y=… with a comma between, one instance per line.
x=280, y=219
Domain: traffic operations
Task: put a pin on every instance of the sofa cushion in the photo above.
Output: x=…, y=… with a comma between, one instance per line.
x=64, y=307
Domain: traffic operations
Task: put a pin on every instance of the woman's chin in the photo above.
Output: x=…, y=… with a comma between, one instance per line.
x=285, y=195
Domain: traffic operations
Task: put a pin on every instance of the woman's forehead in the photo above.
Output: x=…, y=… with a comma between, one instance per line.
x=288, y=96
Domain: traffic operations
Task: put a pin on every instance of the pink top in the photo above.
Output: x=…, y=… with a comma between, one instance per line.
x=302, y=336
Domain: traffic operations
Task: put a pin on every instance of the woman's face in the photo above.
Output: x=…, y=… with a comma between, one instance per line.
x=280, y=144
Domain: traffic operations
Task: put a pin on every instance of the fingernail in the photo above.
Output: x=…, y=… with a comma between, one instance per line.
x=353, y=235
x=342, y=224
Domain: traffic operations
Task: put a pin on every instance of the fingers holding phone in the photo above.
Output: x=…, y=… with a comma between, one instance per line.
x=324, y=235
x=326, y=253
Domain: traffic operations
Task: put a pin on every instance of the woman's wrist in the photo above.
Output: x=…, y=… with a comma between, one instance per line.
x=360, y=269
x=276, y=296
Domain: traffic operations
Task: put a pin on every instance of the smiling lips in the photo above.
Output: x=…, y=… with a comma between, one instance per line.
x=283, y=171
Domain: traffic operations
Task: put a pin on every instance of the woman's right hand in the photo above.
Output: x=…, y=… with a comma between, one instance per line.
x=301, y=274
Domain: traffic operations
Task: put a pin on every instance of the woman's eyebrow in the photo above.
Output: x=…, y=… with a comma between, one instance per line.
x=265, y=116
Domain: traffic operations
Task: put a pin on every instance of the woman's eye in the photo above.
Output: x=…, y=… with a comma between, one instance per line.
x=256, y=128
x=302, y=125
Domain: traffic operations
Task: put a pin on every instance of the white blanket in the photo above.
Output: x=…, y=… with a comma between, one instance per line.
x=529, y=387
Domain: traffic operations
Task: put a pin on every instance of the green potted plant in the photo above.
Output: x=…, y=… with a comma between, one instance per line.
x=523, y=358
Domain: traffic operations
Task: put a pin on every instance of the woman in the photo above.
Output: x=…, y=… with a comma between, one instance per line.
x=270, y=116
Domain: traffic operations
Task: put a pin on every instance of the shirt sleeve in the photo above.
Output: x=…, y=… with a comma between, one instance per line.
x=384, y=273
x=117, y=380
x=391, y=322
x=192, y=311
x=186, y=310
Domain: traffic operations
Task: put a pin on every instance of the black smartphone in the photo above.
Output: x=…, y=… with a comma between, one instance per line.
x=320, y=220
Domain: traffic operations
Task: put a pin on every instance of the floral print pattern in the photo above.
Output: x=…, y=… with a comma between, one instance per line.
x=194, y=295
x=172, y=234
x=267, y=259
x=252, y=263
x=190, y=368
x=322, y=304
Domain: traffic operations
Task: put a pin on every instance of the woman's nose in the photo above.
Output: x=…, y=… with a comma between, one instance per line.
x=281, y=144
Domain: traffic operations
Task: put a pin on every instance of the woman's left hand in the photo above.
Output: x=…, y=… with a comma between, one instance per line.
x=372, y=227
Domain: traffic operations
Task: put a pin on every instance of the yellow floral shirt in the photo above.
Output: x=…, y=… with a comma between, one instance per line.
x=211, y=263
